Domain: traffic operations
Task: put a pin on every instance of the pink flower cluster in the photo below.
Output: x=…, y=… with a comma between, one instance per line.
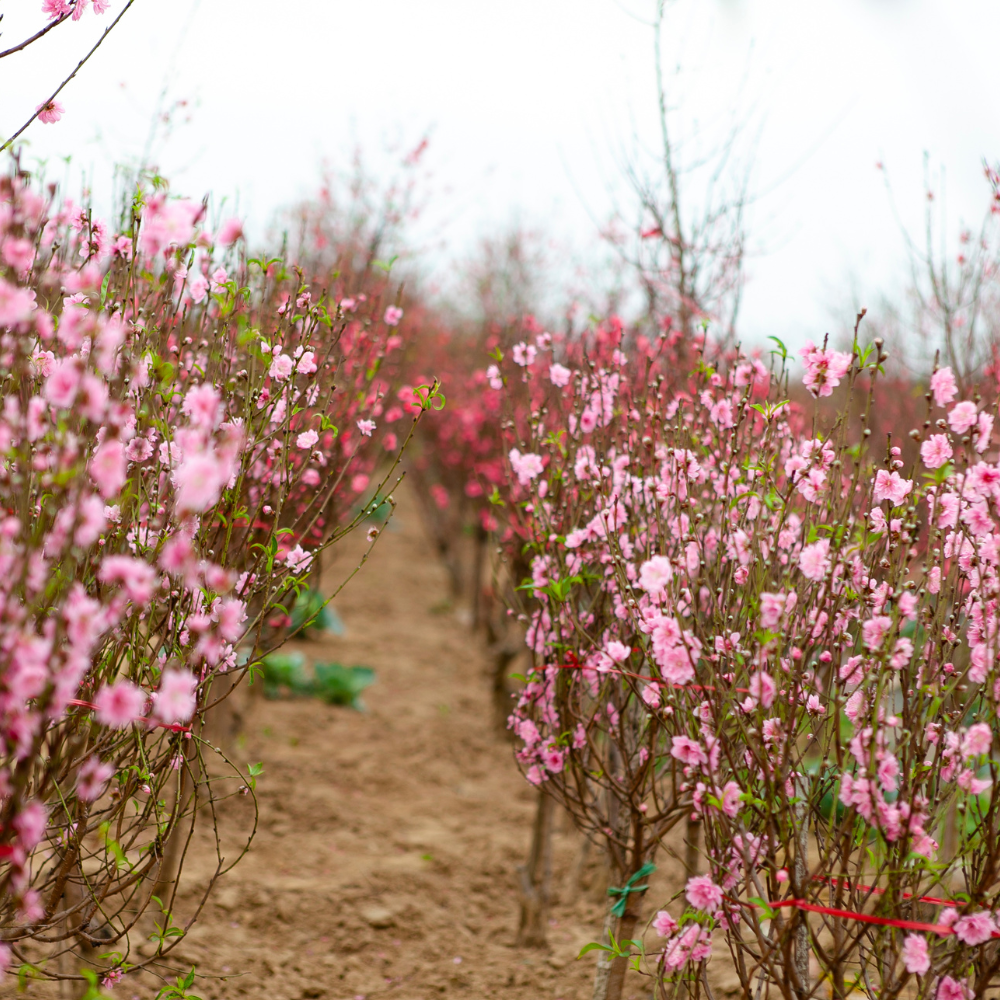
x=709, y=577
x=174, y=456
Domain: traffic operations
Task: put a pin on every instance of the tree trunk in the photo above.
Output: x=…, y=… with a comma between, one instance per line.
x=692, y=836
x=536, y=878
x=602, y=974
x=620, y=964
x=801, y=871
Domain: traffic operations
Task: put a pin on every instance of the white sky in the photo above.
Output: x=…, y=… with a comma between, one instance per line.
x=531, y=105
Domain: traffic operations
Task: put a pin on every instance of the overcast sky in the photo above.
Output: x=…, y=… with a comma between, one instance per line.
x=532, y=105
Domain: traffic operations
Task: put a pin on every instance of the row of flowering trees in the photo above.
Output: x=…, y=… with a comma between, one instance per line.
x=748, y=610
x=184, y=430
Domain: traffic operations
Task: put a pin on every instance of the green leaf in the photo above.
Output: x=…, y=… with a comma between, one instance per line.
x=593, y=946
x=782, y=350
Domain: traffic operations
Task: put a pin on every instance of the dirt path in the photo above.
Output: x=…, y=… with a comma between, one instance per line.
x=385, y=864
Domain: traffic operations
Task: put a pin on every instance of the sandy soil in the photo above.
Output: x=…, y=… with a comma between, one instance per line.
x=385, y=864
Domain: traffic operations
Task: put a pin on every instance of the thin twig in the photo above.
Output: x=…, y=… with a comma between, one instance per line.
x=79, y=66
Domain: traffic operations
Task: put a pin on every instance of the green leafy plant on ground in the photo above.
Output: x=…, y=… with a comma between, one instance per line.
x=331, y=682
x=312, y=614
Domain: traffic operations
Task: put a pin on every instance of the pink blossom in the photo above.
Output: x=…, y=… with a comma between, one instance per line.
x=108, y=467
x=16, y=304
x=198, y=288
x=824, y=369
x=201, y=478
x=281, y=367
x=50, y=112
x=232, y=614
x=772, y=608
x=229, y=232
x=655, y=575
x=703, y=894
x=814, y=560
x=307, y=439
x=874, y=631
x=56, y=8
x=916, y=957
x=962, y=416
x=175, y=700
x=687, y=750
x=664, y=924
x=984, y=432
x=524, y=354
x=137, y=577
x=61, y=385
x=120, y=704
x=92, y=778
x=298, y=560
x=203, y=406
x=618, y=651
x=763, y=688
x=526, y=467
x=307, y=363
x=366, y=427
x=891, y=487
x=393, y=314
x=975, y=928
x=18, y=254
x=935, y=451
x=952, y=989
x=977, y=740
x=30, y=824
x=943, y=386
x=559, y=375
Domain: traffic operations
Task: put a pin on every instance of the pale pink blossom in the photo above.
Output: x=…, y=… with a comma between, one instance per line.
x=962, y=416
x=975, y=928
x=703, y=894
x=50, y=112
x=298, y=560
x=618, y=651
x=814, y=560
x=109, y=467
x=229, y=232
x=944, y=386
x=891, y=486
x=393, y=314
x=687, y=750
x=664, y=924
x=175, y=700
x=526, y=467
x=203, y=406
x=559, y=375
x=524, y=354
x=977, y=740
x=655, y=575
x=366, y=427
x=935, y=451
x=30, y=824
x=916, y=957
x=824, y=369
x=137, y=577
x=92, y=778
x=63, y=380
x=307, y=439
x=281, y=367
x=120, y=704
